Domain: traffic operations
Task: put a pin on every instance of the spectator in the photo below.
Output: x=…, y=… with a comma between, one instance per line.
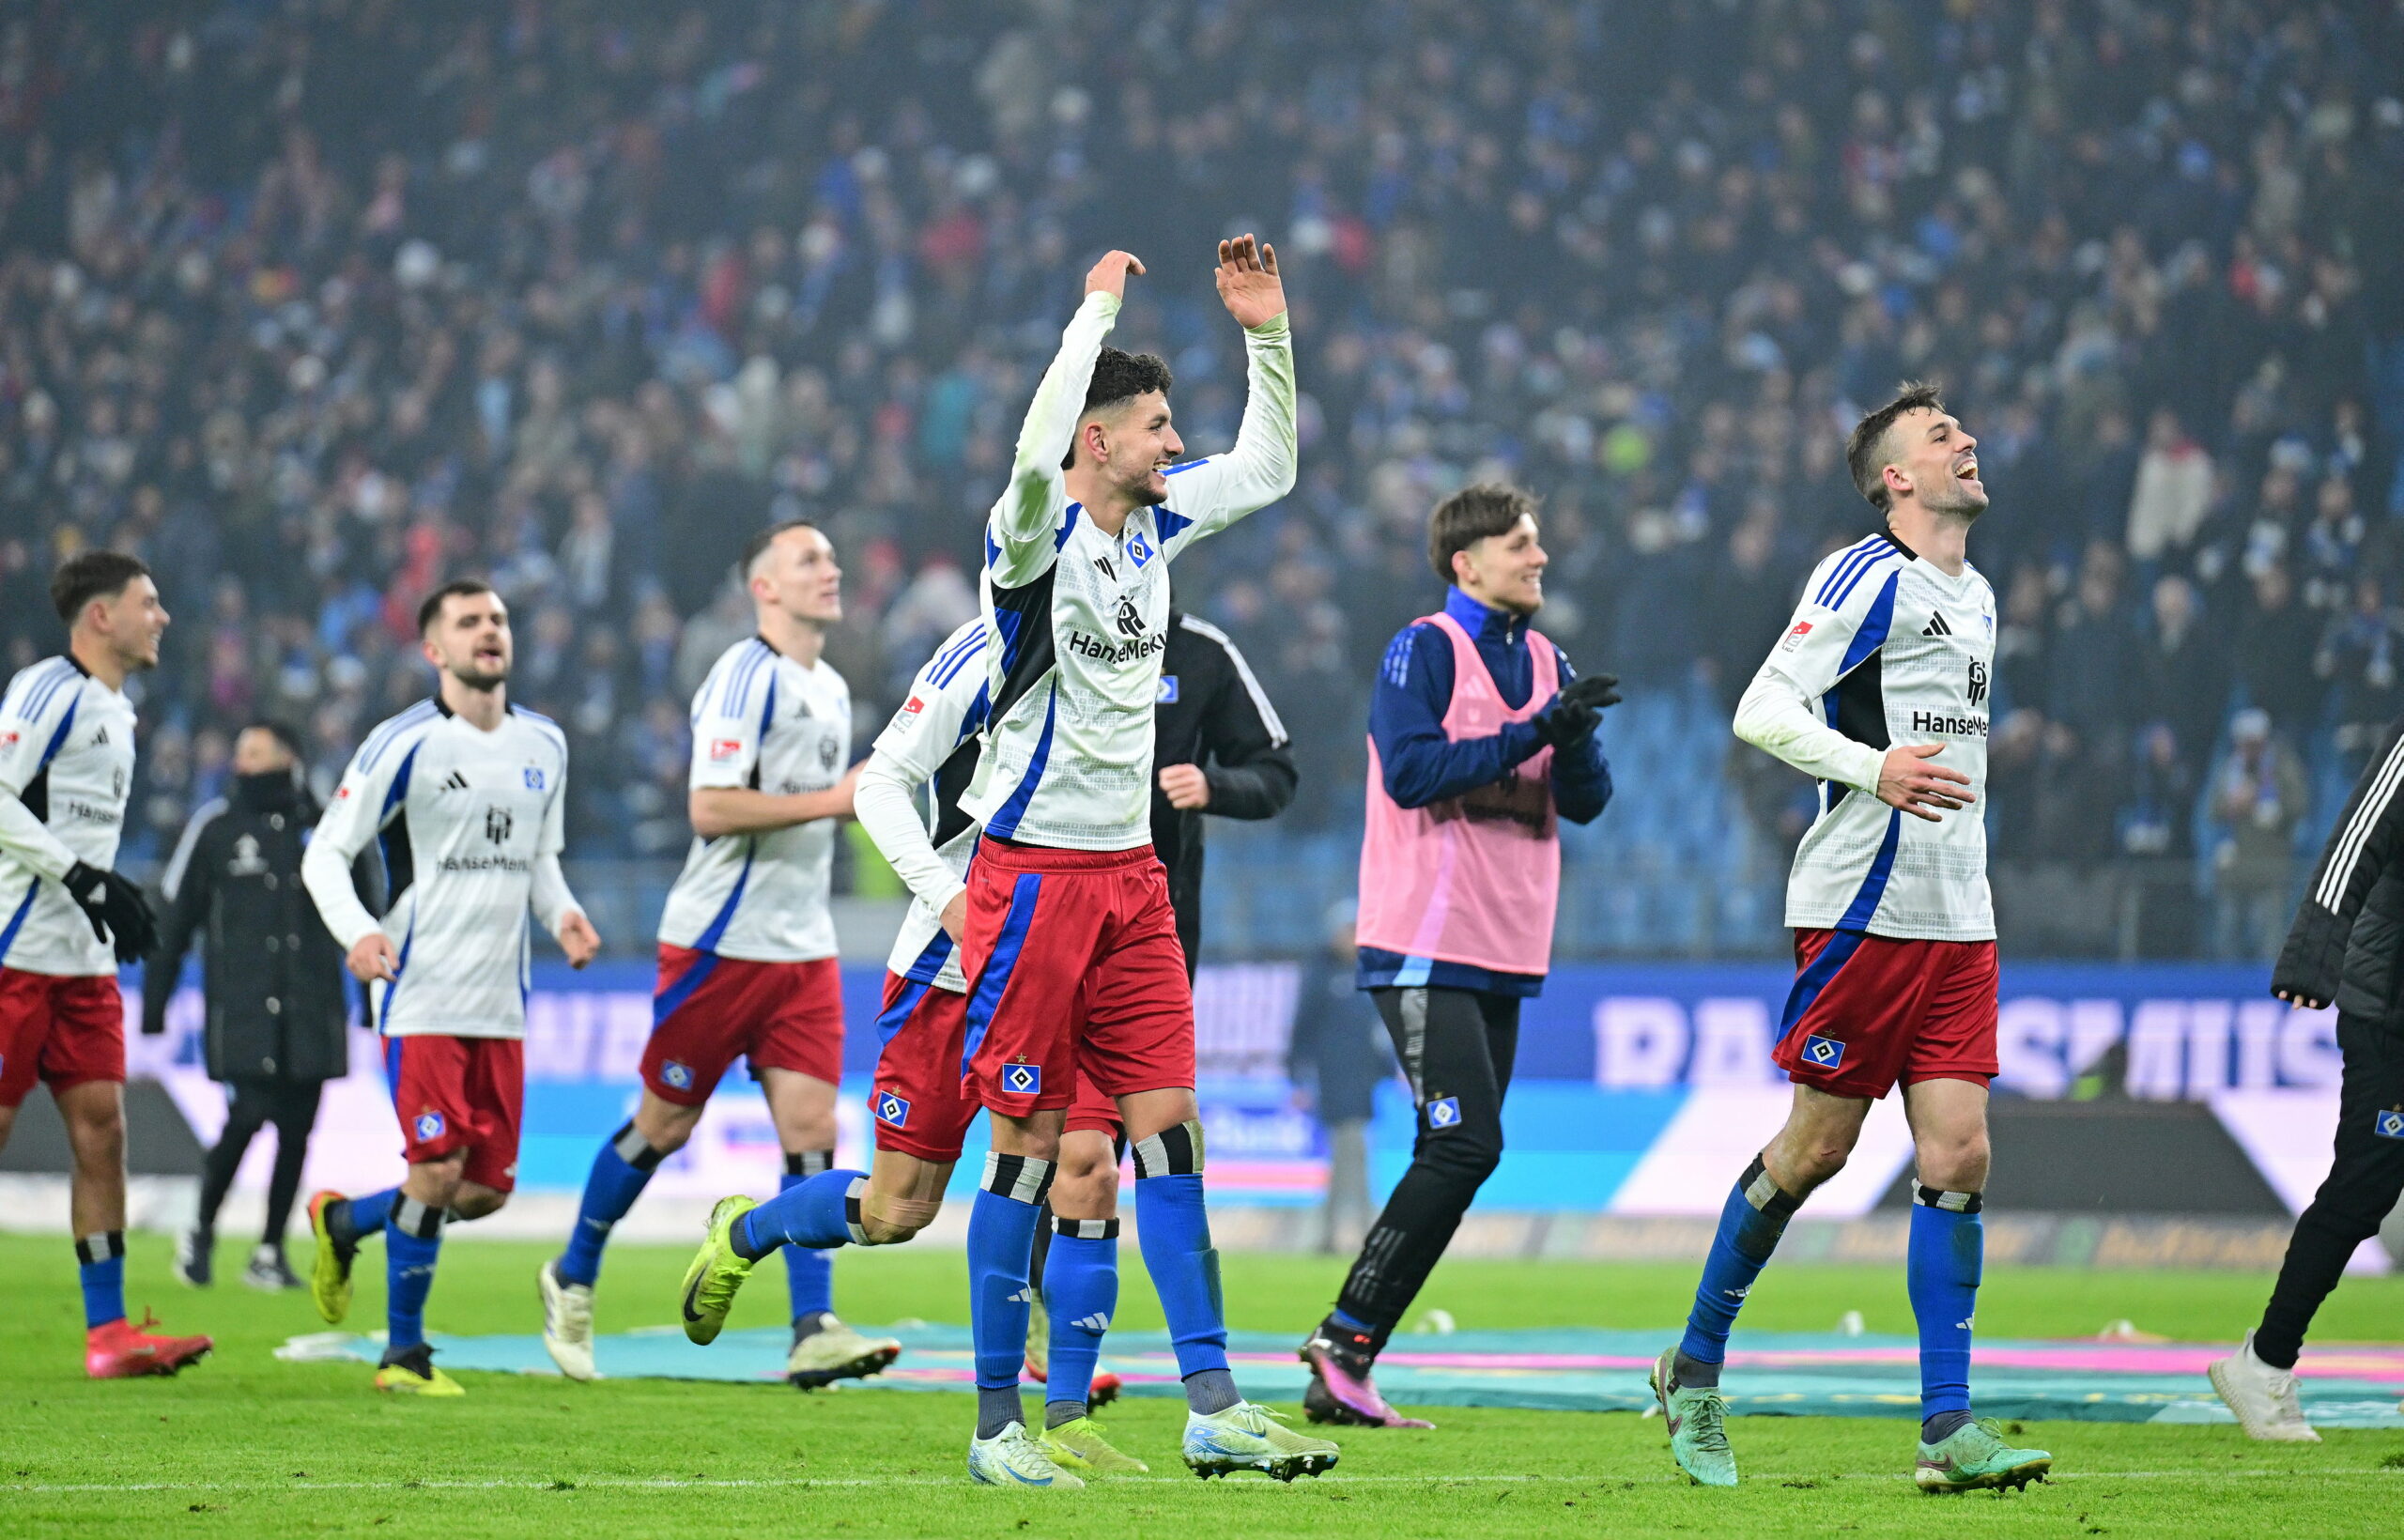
x=2257, y=801
x=2173, y=491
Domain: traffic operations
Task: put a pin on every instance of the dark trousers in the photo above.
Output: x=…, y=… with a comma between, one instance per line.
x=1456, y=1046
x=292, y=1105
x=2362, y=1188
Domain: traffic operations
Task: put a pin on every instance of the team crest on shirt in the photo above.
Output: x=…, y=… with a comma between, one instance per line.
x=2388, y=1124
x=1444, y=1112
x=1822, y=1053
x=1023, y=1079
x=428, y=1126
x=892, y=1110
x=533, y=778
x=679, y=1076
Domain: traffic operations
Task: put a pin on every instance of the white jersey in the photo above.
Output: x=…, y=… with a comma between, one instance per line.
x=1883, y=650
x=1076, y=618
x=65, y=761
x=762, y=720
x=472, y=824
x=931, y=742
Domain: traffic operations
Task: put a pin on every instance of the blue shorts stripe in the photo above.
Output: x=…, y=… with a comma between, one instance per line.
x=898, y=1014
x=1812, y=980
x=985, y=995
x=665, y=1003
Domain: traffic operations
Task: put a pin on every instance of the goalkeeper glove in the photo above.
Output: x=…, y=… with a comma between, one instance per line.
x=115, y=907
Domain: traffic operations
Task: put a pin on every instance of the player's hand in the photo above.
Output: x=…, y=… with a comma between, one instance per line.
x=579, y=939
x=1594, y=691
x=1109, y=275
x=954, y=919
x=373, y=958
x=2297, y=1000
x=1908, y=781
x=116, y=909
x=1185, y=786
x=1248, y=282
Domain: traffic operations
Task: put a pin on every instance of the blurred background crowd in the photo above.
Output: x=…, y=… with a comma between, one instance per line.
x=315, y=303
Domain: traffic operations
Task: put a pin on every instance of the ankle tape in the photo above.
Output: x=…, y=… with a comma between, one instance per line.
x=410, y=1217
x=1762, y=1191
x=635, y=1149
x=1021, y=1178
x=1959, y=1203
x=1171, y=1152
x=809, y=1163
x=104, y=1247
x=1086, y=1229
x=852, y=1218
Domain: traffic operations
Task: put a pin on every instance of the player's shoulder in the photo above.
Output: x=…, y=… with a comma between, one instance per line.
x=1844, y=574
x=958, y=660
x=1420, y=637
x=394, y=735
x=735, y=677
x=540, y=725
x=41, y=689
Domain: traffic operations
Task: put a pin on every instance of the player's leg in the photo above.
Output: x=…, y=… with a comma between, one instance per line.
x=1081, y=1294
x=802, y=1105
x=2365, y=1181
x=413, y=1227
x=247, y=1106
x=1456, y=1048
x=339, y=1223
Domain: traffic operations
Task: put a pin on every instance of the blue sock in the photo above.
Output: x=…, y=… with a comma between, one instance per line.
x=1948, y=1253
x=1751, y=1222
x=412, y=1242
x=1081, y=1293
x=818, y=1211
x=1001, y=1244
x=1172, y=1227
x=357, y=1218
x=100, y=1266
x=809, y=1275
x=620, y=1170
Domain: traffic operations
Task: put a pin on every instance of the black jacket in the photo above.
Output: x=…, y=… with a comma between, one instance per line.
x=1211, y=713
x=2347, y=945
x=271, y=973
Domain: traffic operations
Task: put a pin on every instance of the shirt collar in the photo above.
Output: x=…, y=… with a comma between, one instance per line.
x=1483, y=621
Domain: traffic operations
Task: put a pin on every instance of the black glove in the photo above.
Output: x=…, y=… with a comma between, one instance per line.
x=115, y=905
x=1577, y=710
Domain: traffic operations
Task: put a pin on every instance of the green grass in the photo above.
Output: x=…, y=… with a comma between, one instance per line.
x=243, y=1444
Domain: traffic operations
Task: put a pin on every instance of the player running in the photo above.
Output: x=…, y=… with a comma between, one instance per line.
x=468, y=794
x=1884, y=670
x=1481, y=739
x=746, y=947
x=1068, y=944
x=66, y=920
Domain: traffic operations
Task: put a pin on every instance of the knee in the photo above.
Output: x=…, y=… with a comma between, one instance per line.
x=1956, y=1165
x=665, y=1126
x=97, y=1134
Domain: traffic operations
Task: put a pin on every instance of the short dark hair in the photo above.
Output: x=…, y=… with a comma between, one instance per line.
x=760, y=540
x=283, y=732
x=1469, y=515
x=1865, y=455
x=91, y=575
x=458, y=587
x=1120, y=376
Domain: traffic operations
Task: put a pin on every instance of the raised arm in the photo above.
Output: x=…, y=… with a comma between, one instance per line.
x=1017, y=534
x=1208, y=495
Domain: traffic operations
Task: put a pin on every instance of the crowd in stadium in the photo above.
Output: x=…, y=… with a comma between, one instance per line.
x=313, y=304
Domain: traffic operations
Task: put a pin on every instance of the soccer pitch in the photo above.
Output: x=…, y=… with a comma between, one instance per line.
x=244, y=1444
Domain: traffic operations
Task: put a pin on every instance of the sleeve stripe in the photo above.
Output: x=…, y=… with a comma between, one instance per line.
x=41, y=689
x=2346, y=853
x=206, y=814
x=383, y=737
x=1846, y=563
x=1854, y=582
x=1261, y=702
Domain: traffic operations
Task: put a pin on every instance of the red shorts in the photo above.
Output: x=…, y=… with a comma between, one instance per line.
x=708, y=1010
x=59, y=1029
x=459, y=1093
x=918, y=1104
x=1074, y=967
x=1869, y=1012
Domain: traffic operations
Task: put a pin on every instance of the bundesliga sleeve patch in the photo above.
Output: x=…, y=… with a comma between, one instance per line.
x=1023, y=1079
x=724, y=748
x=892, y=1110
x=1822, y=1053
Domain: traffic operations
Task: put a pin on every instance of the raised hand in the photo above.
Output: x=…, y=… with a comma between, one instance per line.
x=1248, y=282
x=1109, y=275
x=1908, y=781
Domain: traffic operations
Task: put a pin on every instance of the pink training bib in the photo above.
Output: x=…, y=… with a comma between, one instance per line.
x=1475, y=878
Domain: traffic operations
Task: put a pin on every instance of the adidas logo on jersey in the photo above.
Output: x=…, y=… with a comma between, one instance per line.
x=1936, y=626
x=454, y=782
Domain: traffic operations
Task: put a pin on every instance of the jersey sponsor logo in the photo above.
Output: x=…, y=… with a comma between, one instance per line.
x=1023, y=1079
x=1794, y=637
x=533, y=778
x=1169, y=689
x=1098, y=650
x=1444, y=1112
x=485, y=863
x=498, y=823
x=1131, y=620
x=724, y=748
x=892, y=1110
x=679, y=1076
x=2388, y=1124
x=90, y=812
x=1944, y=726
x=827, y=752
x=428, y=1126
x=1822, y=1053
x=1976, y=686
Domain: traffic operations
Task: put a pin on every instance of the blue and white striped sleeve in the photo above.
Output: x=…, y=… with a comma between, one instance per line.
x=1841, y=619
